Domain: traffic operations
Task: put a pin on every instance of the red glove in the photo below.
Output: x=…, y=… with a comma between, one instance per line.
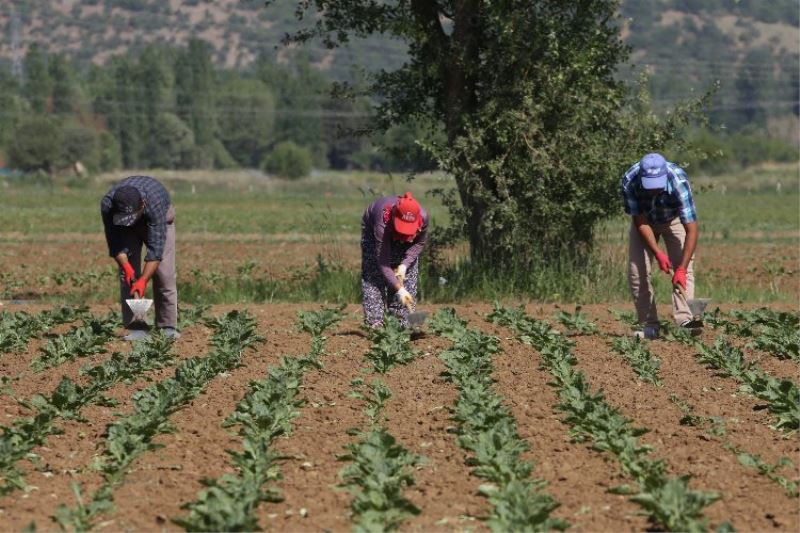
x=129, y=273
x=139, y=287
x=679, y=278
x=663, y=262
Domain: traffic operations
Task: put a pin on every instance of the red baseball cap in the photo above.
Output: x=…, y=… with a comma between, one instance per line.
x=407, y=219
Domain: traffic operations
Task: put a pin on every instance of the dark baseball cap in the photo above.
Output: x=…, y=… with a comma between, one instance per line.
x=125, y=204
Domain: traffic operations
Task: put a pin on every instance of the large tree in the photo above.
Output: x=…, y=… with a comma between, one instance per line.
x=538, y=125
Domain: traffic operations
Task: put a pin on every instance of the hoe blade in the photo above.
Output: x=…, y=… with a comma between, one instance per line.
x=417, y=319
x=697, y=306
x=139, y=307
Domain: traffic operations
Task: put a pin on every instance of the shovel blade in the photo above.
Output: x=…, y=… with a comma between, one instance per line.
x=139, y=307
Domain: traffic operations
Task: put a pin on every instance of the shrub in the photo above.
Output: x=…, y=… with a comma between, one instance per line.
x=288, y=160
x=34, y=143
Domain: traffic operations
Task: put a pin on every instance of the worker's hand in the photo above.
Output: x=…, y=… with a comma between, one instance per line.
x=138, y=288
x=400, y=273
x=129, y=273
x=663, y=262
x=405, y=297
x=679, y=278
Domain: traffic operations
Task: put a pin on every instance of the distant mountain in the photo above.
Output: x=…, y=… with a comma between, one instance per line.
x=751, y=46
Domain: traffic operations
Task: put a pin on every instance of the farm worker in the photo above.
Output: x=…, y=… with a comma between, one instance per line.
x=659, y=199
x=138, y=211
x=393, y=234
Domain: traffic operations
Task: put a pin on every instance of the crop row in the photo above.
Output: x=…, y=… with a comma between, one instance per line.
x=782, y=396
x=17, y=329
x=488, y=431
x=634, y=350
x=132, y=435
x=774, y=332
x=716, y=428
x=81, y=341
x=67, y=400
x=668, y=501
x=265, y=413
x=379, y=467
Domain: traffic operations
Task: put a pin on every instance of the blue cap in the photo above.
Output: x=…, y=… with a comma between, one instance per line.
x=653, y=171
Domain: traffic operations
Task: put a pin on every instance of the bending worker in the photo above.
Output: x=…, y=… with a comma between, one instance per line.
x=138, y=211
x=659, y=199
x=393, y=234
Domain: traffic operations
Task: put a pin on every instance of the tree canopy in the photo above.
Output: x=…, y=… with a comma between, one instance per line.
x=538, y=125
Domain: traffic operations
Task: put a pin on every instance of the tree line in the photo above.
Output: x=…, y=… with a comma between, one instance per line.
x=170, y=107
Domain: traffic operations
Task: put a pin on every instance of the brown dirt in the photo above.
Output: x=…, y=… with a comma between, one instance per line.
x=160, y=481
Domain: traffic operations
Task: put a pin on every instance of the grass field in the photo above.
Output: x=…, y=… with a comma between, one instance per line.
x=244, y=237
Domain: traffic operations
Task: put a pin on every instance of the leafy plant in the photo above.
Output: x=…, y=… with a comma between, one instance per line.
x=488, y=430
x=792, y=487
x=577, y=323
x=265, y=413
x=83, y=341
x=637, y=354
x=132, y=435
x=782, y=395
x=391, y=346
x=376, y=477
x=668, y=501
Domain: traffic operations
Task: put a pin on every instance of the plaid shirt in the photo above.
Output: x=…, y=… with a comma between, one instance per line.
x=675, y=201
x=153, y=220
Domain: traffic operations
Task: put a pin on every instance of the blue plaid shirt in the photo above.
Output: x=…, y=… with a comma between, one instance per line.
x=675, y=201
x=156, y=203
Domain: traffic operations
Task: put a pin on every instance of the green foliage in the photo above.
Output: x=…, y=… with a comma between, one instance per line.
x=391, y=346
x=792, y=487
x=668, y=501
x=83, y=341
x=288, y=160
x=133, y=434
x=35, y=143
x=637, y=354
x=66, y=401
x=264, y=414
x=782, y=395
x=82, y=516
x=577, y=323
x=17, y=329
x=379, y=471
x=172, y=142
x=537, y=142
x=246, y=119
x=488, y=430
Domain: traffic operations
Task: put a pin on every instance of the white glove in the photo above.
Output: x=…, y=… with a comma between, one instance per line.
x=400, y=273
x=405, y=297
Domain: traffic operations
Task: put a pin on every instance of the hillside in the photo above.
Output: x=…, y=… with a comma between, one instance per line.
x=238, y=30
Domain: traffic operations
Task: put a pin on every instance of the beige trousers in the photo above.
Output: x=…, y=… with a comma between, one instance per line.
x=165, y=289
x=641, y=263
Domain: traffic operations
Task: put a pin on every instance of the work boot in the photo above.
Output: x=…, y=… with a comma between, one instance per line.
x=648, y=332
x=694, y=326
x=172, y=333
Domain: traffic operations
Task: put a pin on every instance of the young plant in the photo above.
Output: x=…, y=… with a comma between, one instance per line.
x=488, y=430
x=391, y=346
x=577, y=323
x=668, y=501
x=265, y=413
x=638, y=355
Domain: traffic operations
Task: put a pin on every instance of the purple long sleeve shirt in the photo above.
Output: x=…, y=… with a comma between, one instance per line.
x=377, y=221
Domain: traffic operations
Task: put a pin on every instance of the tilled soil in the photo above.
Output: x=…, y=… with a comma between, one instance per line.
x=159, y=482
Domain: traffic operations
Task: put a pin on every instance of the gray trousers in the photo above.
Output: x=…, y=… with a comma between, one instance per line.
x=165, y=289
